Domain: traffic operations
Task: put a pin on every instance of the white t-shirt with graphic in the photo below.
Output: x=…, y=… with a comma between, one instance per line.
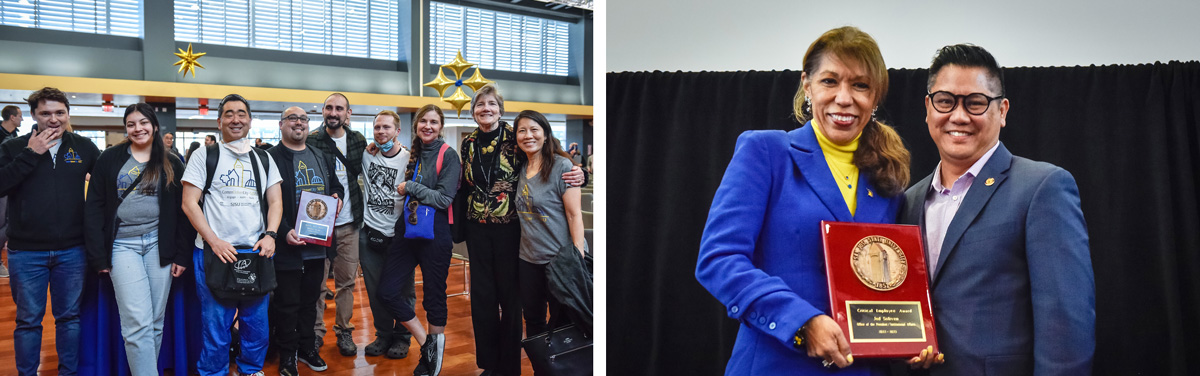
x=346, y=215
x=383, y=203
x=232, y=205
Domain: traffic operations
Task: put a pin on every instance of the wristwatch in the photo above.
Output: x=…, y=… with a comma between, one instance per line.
x=272, y=234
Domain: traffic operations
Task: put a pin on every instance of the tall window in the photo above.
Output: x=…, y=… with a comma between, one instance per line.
x=497, y=40
x=358, y=28
x=115, y=17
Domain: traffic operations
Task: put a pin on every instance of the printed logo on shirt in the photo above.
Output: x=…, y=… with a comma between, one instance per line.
x=124, y=179
x=240, y=176
x=380, y=189
x=525, y=206
x=307, y=179
x=71, y=156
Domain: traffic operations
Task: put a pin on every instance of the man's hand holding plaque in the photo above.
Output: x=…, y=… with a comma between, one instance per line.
x=314, y=219
x=879, y=291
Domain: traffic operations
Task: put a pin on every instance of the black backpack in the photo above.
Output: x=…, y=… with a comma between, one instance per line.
x=251, y=276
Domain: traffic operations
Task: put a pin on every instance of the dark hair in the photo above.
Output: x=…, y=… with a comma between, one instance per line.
x=232, y=97
x=191, y=148
x=416, y=142
x=881, y=153
x=47, y=94
x=210, y=137
x=551, y=148
x=159, y=165
x=9, y=112
x=967, y=56
x=340, y=95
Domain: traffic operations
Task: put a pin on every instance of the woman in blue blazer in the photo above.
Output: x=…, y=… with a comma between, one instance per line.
x=761, y=253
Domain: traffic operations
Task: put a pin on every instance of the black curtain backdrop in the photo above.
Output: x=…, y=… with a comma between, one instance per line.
x=1129, y=135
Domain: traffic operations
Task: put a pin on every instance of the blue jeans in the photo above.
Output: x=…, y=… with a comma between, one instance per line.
x=217, y=317
x=31, y=272
x=141, y=286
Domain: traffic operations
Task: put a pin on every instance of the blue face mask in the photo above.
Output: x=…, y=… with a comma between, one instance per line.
x=388, y=146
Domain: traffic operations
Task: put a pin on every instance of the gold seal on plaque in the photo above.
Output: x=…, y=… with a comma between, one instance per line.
x=316, y=209
x=879, y=263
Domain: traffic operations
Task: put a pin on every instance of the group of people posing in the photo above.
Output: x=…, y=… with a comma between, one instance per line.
x=148, y=217
x=1009, y=268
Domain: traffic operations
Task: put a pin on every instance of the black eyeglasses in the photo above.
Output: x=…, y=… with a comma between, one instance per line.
x=974, y=103
x=294, y=118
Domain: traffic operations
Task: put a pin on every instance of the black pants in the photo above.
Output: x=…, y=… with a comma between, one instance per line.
x=404, y=255
x=495, y=301
x=536, y=300
x=372, y=259
x=297, y=293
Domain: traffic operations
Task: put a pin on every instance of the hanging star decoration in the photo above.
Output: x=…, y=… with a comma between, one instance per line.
x=188, y=61
x=459, y=66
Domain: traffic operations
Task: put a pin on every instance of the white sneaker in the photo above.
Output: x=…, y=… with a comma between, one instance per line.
x=3, y=271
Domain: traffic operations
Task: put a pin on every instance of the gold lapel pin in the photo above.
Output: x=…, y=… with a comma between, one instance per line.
x=869, y=194
x=989, y=182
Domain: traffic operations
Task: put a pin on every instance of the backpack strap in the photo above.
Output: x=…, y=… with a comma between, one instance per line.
x=259, y=181
x=441, y=156
x=210, y=166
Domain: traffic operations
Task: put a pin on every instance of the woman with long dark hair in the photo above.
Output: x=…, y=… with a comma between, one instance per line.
x=430, y=180
x=136, y=233
x=551, y=216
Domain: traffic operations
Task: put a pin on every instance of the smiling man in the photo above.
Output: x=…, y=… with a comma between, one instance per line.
x=232, y=221
x=1006, y=242
x=42, y=174
x=336, y=138
x=299, y=266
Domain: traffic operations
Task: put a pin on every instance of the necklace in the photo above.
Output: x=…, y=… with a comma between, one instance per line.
x=487, y=173
x=849, y=182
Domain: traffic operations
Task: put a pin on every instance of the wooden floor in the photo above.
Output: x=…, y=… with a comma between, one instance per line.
x=459, y=355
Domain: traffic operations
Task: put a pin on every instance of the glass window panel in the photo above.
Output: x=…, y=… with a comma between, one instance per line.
x=498, y=40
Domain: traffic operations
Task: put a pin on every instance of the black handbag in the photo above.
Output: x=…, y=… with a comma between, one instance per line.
x=562, y=351
x=249, y=277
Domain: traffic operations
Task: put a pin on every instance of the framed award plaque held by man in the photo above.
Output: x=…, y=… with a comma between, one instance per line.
x=879, y=288
x=315, y=218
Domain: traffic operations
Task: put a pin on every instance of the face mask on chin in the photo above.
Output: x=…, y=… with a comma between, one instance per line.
x=240, y=146
x=388, y=146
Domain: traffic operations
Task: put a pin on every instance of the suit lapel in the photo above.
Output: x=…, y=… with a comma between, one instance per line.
x=978, y=196
x=807, y=156
x=872, y=206
x=914, y=212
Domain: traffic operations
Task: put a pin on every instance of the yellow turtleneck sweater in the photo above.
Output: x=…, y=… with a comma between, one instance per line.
x=841, y=164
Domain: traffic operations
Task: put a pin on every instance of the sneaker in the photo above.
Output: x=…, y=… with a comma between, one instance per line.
x=259, y=373
x=313, y=359
x=3, y=271
x=378, y=347
x=287, y=365
x=431, y=352
x=345, y=342
x=399, y=350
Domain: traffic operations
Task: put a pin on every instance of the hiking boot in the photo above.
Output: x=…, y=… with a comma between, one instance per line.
x=313, y=359
x=378, y=347
x=345, y=342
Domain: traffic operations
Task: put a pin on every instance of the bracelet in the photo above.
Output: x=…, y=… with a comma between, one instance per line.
x=799, y=341
x=272, y=234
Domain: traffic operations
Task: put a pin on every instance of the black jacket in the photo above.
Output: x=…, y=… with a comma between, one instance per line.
x=355, y=144
x=45, y=205
x=287, y=256
x=176, y=237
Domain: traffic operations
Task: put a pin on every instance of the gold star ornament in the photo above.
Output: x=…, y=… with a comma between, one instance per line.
x=187, y=61
x=442, y=84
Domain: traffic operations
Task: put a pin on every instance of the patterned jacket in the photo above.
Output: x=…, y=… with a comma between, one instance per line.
x=489, y=196
x=355, y=144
